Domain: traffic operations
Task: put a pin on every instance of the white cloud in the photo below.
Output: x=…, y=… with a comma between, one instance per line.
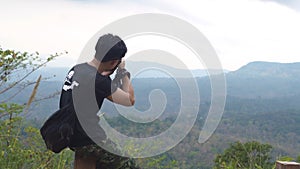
x=240, y=30
x=55, y=26
x=248, y=30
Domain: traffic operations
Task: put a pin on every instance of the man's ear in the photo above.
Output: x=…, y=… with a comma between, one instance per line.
x=112, y=62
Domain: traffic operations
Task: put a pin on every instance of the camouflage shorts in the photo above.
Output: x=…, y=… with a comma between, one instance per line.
x=105, y=159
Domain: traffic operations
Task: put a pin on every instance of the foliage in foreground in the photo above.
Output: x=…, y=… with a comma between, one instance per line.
x=250, y=155
x=21, y=145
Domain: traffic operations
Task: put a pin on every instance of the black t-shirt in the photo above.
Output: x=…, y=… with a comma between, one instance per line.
x=103, y=84
x=84, y=86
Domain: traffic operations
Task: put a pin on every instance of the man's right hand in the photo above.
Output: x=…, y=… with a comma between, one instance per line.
x=122, y=65
x=124, y=96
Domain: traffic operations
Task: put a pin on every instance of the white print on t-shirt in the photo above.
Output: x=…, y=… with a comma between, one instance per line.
x=69, y=76
x=68, y=85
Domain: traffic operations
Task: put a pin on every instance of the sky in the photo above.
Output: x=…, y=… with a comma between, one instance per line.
x=241, y=31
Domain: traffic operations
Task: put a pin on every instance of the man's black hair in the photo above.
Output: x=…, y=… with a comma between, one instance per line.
x=110, y=47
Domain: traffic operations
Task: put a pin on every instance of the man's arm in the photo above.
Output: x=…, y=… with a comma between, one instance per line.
x=125, y=95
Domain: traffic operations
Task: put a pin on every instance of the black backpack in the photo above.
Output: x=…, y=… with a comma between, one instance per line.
x=58, y=130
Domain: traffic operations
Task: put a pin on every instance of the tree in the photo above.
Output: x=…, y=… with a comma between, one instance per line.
x=15, y=67
x=21, y=145
x=248, y=155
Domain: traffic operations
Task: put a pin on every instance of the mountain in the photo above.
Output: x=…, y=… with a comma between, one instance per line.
x=139, y=69
x=264, y=80
x=249, y=89
x=157, y=70
x=51, y=73
x=268, y=69
x=257, y=83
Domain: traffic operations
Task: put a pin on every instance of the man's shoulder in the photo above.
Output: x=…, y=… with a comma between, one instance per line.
x=84, y=68
x=80, y=65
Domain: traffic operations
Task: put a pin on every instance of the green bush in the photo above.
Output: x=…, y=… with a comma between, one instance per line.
x=21, y=145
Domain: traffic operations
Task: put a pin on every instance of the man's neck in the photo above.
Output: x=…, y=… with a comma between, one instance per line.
x=96, y=64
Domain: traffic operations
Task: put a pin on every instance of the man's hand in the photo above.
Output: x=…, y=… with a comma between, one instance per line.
x=125, y=94
x=122, y=65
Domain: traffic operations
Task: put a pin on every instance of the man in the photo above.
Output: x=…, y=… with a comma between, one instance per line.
x=88, y=82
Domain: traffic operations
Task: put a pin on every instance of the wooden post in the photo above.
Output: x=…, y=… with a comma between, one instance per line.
x=287, y=165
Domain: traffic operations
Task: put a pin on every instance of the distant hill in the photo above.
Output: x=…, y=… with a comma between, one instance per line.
x=264, y=80
x=268, y=69
x=157, y=70
x=255, y=83
x=143, y=70
x=51, y=73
